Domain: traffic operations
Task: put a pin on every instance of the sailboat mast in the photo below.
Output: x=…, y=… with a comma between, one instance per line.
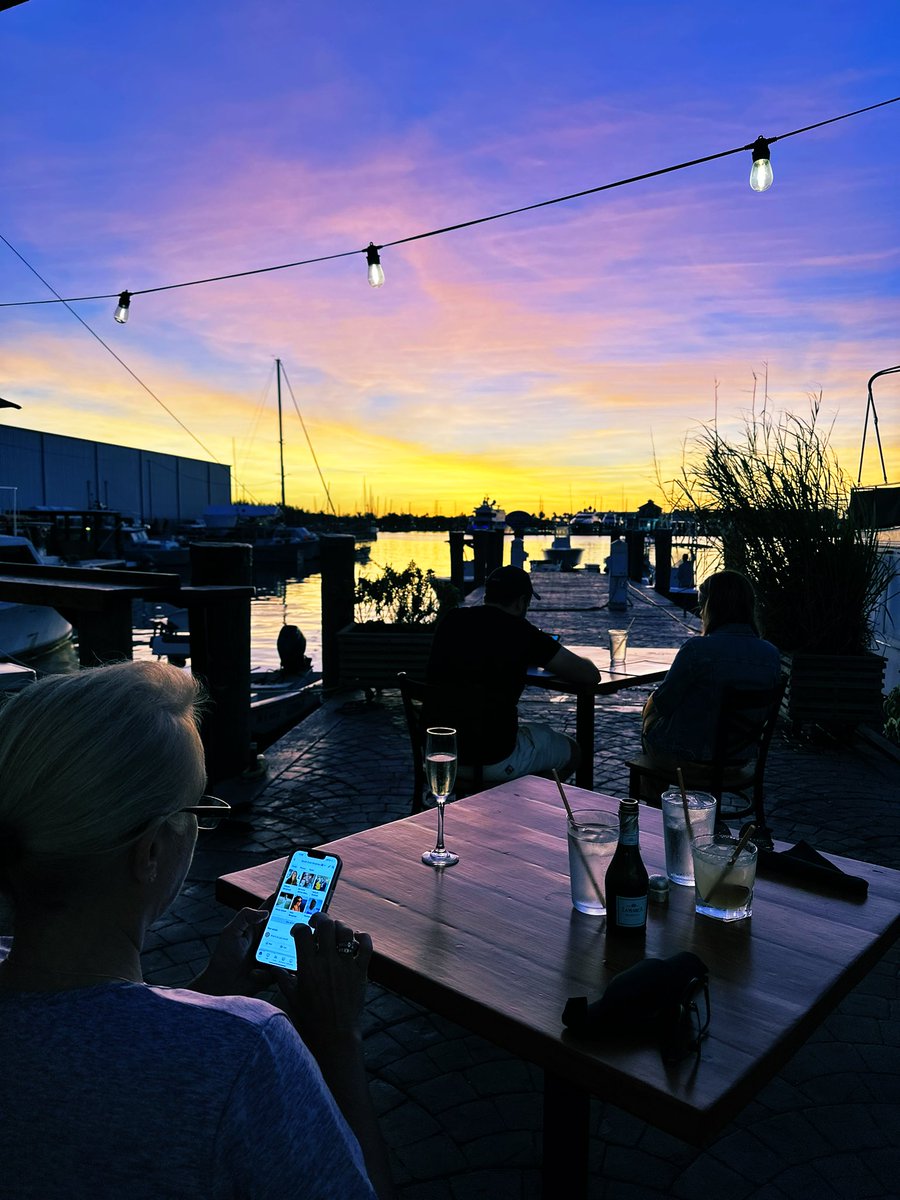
x=280, y=431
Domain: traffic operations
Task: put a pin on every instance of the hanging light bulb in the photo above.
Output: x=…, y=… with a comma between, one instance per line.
x=376, y=271
x=761, y=171
x=121, y=313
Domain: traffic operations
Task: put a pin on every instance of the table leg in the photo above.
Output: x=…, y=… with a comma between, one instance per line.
x=567, y=1111
x=584, y=736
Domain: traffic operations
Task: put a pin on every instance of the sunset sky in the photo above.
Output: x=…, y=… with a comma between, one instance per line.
x=558, y=358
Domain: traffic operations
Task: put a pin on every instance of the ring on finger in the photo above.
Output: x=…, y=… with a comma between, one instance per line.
x=351, y=947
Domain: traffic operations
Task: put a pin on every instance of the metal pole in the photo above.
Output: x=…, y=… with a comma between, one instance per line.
x=280, y=431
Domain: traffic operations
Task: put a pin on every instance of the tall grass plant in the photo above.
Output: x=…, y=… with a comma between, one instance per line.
x=782, y=503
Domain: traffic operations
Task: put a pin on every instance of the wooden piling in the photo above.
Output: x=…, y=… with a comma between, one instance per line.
x=218, y=603
x=662, y=540
x=337, y=559
x=457, y=539
x=488, y=547
x=634, y=540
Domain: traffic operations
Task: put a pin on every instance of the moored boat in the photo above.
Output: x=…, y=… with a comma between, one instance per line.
x=487, y=517
x=28, y=630
x=562, y=551
x=586, y=521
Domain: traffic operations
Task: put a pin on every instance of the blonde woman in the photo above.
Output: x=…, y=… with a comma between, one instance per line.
x=110, y=1087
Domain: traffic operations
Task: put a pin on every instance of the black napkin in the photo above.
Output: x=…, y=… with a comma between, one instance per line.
x=804, y=865
x=647, y=999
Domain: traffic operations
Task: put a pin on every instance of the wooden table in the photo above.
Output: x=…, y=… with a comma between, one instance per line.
x=494, y=944
x=642, y=665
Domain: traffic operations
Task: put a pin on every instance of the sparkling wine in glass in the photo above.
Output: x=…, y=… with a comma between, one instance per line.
x=440, y=768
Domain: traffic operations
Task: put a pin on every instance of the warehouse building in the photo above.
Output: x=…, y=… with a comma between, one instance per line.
x=50, y=470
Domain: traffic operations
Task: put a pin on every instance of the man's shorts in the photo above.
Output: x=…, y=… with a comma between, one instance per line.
x=538, y=748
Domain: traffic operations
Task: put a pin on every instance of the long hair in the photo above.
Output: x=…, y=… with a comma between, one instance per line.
x=87, y=759
x=727, y=598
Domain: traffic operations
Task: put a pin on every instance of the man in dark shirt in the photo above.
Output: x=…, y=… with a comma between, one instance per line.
x=478, y=666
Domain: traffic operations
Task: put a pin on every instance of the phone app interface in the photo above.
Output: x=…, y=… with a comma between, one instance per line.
x=303, y=892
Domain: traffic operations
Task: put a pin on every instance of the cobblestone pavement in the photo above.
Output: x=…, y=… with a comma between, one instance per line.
x=462, y=1118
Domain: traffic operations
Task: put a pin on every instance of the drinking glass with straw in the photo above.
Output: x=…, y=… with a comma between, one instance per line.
x=686, y=816
x=592, y=838
x=717, y=882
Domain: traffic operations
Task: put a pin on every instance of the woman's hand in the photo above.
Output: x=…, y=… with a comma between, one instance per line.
x=232, y=969
x=325, y=997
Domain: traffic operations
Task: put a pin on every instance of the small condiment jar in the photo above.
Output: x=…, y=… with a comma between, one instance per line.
x=658, y=889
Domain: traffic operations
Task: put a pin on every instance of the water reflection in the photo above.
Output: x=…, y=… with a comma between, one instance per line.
x=297, y=600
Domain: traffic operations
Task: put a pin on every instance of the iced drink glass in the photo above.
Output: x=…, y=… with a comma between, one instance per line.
x=702, y=810
x=618, y=643
x=721, y=889
x=592, y=839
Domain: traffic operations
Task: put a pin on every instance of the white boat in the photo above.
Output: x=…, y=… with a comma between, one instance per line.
x=563, y=552
x=487, y=516
x=145, y=551
x=28, y=630
x=586, y=521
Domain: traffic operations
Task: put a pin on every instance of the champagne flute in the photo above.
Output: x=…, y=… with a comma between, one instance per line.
x=440, y=767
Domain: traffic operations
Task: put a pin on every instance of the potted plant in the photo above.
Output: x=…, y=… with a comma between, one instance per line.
x=395, y=615
x=781, y=502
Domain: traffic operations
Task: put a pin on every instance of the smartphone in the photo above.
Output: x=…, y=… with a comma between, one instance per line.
x=306, y=888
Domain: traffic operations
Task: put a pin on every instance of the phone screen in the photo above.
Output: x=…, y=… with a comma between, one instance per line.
x=305, y=889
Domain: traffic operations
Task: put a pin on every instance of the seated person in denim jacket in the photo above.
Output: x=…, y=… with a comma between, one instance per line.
x=679, y=719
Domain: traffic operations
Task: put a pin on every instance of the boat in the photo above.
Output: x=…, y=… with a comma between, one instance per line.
x=141, y=550
x=586, y=521
x=28, y=630
x=562, y=551
x=487, y=517
x=275, y=544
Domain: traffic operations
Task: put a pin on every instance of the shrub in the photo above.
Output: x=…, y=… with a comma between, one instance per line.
x=408, y=597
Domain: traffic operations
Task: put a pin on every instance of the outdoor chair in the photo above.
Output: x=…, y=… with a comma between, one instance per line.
x=413, y=693
x=747, y=718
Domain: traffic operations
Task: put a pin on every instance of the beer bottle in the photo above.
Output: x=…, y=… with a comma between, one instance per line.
x=627, y=883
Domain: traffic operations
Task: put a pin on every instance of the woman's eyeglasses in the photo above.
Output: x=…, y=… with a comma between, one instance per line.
x=209, y=812
x=691, y=1024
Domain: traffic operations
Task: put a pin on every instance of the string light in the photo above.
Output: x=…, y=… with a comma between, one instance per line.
x=121, y=313
x=376, y=271
x=760, y=180
x=761, y=171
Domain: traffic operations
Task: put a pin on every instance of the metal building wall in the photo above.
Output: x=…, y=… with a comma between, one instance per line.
x=64, y=472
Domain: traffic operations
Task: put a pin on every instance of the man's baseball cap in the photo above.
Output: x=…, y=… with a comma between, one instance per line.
x=507, y=584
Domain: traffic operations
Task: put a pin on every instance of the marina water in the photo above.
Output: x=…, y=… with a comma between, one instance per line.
x=298, y=601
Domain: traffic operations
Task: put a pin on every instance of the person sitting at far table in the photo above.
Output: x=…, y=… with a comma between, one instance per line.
x=680, y=716
x=110, y=1087
x=478, y=668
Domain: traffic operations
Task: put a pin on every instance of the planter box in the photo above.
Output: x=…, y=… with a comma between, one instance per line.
x=837, y=689
x=369, y=656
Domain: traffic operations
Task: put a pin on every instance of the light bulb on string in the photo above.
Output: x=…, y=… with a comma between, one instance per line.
x=761, y=171
x=121, y=313
x=376, y=271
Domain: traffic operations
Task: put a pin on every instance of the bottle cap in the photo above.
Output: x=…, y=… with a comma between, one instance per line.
x=659, y=889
